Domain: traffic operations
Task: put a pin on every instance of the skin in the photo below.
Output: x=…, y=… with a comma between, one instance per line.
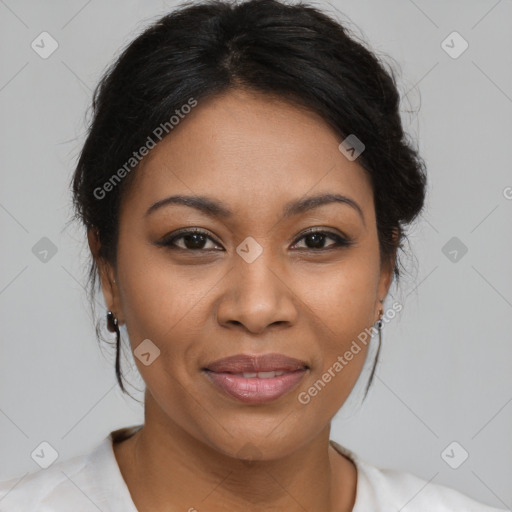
x=254, y=154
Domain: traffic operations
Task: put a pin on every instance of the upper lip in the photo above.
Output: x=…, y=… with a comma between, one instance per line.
x=241, y=363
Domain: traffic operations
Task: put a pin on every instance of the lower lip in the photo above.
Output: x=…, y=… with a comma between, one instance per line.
x=256, y=390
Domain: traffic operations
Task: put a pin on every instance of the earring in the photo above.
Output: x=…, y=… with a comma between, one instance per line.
x=113, y=326
x=379, y=331
x=379, y=321
x=112, y=322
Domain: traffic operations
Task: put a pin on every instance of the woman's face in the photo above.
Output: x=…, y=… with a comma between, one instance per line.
x=254, y=283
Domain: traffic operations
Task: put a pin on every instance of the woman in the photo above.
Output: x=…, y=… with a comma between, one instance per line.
x=245, y=186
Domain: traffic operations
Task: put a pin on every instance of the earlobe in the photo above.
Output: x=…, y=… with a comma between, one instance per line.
x=94, y=242
x=105, y=274
x=387, y=272
x=386, y=276
x=107, y=280
x=390, y=266
x=381, y=312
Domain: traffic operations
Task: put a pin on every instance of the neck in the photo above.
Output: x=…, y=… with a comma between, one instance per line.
x=164, y=466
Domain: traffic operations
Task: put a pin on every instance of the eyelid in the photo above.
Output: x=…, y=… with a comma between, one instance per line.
x=167, y=239
x=323, y=230
x=341, y=239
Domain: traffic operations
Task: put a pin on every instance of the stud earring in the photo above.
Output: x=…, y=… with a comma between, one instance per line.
x=379, y=332
x=381, y=312
x=113, y=326
x=379, y=321
x=112, y=322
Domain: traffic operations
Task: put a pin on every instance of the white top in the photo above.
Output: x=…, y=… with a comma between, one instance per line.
x=93, y=481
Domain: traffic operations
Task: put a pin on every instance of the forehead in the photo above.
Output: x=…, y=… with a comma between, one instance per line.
x=249, y=151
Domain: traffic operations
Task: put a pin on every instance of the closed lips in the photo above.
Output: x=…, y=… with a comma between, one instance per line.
x=256, y=379
x=260, y=375
x=263, y=366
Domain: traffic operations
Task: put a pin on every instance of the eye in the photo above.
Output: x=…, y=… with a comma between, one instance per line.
x=315, y=239
x=197, y=240
x=191, y=240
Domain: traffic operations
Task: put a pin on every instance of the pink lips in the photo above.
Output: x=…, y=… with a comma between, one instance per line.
x=260, y=383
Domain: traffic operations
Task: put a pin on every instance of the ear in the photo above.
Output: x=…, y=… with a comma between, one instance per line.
x=107, y=276
x=386, y=275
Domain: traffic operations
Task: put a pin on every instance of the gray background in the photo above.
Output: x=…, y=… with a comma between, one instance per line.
x=445, y=367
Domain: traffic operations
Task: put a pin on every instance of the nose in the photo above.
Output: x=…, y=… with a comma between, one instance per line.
x=258, y=296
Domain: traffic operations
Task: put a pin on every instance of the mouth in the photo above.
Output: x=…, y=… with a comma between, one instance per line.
x=256, y=379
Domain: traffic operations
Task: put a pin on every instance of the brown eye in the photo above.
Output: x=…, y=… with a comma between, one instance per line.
x=189, y=241
x=196, y=240
x=315, y=240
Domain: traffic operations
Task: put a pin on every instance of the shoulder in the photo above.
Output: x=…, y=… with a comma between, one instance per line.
x=421, y=495
x=391, y=489
x=56, y=487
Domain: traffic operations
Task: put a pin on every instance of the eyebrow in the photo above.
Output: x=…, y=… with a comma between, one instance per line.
x=214, y=208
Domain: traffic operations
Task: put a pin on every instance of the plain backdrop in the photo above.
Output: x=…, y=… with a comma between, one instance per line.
x=445, y=372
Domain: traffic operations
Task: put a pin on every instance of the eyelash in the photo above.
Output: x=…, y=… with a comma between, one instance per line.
x=340, y=241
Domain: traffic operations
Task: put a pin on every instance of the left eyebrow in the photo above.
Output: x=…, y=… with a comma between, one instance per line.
x=308, y=203
x=214, y=208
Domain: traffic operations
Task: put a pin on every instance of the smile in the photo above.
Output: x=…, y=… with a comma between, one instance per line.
x=256, y=387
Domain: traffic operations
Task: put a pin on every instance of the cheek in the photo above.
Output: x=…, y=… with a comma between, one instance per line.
x=157, y=296
x=342, y=297
x=341, y=304
x=166, y=317
x=166, y=304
